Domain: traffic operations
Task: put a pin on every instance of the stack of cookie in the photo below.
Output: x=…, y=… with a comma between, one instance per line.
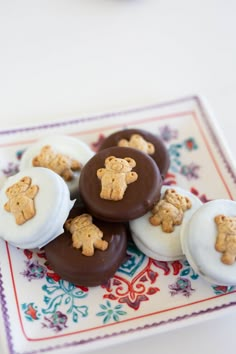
x=116, y=185
x=81, y=208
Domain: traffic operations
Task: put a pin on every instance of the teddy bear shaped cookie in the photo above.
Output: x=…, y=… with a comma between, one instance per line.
x=59, y=163
x=85, y=234
x=21, y=200
x=116, y=176
x=169, y=211
x=226, y=238
x=136, y=141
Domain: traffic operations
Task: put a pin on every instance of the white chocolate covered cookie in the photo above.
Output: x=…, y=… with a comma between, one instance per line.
x=34, y=205
x=65, y=155
x=157, y=233
x=209, y=241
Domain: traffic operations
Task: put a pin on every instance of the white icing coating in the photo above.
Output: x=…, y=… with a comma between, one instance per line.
x=62, y=144
x=52, y=204
x=155, y=255
x=198, y=238
x=155, y=243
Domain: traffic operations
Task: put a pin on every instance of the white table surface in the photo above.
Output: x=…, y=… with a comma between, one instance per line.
x=67, y=58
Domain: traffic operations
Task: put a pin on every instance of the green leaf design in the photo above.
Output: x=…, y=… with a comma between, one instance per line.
x=53, y=305
x=106, y=318
x=121, y=313
x=67, y=300
x=110, y=313
x=185, y=272
x=67, y=295
x=115, y=317
x=75, y=317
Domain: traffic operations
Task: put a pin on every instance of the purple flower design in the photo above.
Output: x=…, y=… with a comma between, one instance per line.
x=57, y=321
x=34, y=270
x=181, y=286
x=190, y=171
x=11, y=169
x=167, y=133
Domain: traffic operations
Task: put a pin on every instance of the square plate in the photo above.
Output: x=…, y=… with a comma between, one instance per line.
x=40, y=312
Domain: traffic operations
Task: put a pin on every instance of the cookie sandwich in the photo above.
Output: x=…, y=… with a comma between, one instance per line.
x=157, y=233
x=89, y=251
x=142, y=140
x=65, y=155
x=209, y=241
x=34, y=205
x=119, y=184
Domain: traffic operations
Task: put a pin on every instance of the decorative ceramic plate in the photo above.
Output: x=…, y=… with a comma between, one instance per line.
x=42, y=313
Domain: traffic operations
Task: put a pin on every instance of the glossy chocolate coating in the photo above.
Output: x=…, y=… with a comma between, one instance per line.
x=71, y=265
x=160, y=156
x=139, y=197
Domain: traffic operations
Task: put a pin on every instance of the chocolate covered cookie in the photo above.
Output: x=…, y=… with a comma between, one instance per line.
x=89, y=252
x=142, y=140
x=119, y=184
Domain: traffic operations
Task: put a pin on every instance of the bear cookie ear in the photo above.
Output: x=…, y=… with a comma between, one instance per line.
x=68, y=223
x=130, y=161
x=150, y=148
x=109, y=159
x=26, y=180
x=84, y=219
x=219, y=219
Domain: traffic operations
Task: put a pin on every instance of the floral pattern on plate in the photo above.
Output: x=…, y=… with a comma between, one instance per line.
x=42, y=312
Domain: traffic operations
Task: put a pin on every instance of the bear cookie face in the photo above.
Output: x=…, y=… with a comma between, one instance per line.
x=116, y=176
x=21, y=200
x=138, y=142
x=226, y=238
x=85, y=234
x=63, y=165
x=169, y=211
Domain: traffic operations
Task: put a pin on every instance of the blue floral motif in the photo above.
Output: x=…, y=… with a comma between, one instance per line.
x=19, y=153
x=64, y=293
x=108, y=313
x=190, y=171
x=134, y=261
x=222, y=289
x=174, y=152
x=187, y=270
